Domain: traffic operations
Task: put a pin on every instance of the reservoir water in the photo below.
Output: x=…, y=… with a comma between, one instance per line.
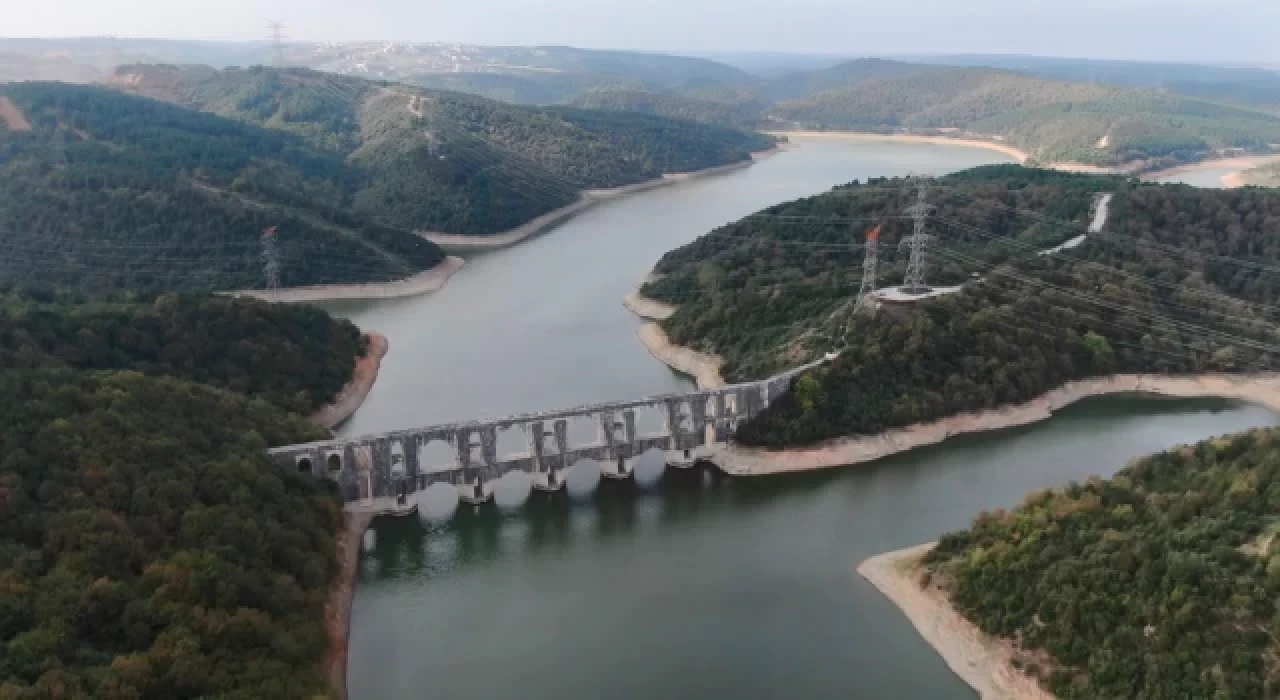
x=703, y=586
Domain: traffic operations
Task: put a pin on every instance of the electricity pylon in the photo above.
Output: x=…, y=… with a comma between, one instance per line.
x=918, y=242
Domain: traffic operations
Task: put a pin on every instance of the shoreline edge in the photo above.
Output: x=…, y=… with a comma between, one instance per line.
x=586, y=200
x=1260, y=389
x=431, y=280
x=984, y=662
x=702, y=367
x=1230, y=180
x=352, y=396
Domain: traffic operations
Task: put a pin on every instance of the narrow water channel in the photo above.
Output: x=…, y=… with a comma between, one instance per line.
x=702, y=586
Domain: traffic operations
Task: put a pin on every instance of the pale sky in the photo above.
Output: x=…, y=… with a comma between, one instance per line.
x=1197, y=30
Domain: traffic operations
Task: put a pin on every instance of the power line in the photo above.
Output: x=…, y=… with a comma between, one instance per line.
x=1206, y=294
x=1086, y=297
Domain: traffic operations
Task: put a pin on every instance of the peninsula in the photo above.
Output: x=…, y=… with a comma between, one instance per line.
x=1124, y=309
x=1169, y=567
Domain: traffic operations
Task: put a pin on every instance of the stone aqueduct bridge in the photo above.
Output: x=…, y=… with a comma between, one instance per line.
x=386, y=468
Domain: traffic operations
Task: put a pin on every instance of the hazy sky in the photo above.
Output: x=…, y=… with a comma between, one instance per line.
x=1229, y=30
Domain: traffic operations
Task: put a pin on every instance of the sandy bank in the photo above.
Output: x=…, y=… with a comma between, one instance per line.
x=704, y=368
x=984, y=662
x=1233, y=179
x=1015, y=153
x=1263, y=389
x=354, y=393
x=337, y=609
x=647, y=308
x=586, y=200
x=426, y=281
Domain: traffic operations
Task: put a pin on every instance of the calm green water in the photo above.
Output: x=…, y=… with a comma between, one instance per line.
x=715, y=588
x=702, y=587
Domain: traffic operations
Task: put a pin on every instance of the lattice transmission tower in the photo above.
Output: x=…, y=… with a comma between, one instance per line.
x=271, y=259
x=275, y=32
x=866, y=304
x=914, y=283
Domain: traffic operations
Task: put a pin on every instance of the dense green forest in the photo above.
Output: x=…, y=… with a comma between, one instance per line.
x=111, y=191
x=777, y=94
x=297, y=357
x=719, y=109
x=443, y=161
x=148, y=547
x=1181, y=280
x=1159, y=583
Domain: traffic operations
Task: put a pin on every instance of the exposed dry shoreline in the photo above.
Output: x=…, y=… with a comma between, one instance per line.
x=354, y=393
x=337, y=609
x=1016, y=153
x=586, y=200
x=982, y=661
x=1263, y=389
x=704, y=368
x=1231, y=180
x=426, y=281
x=1234, y=179
x=647, y=308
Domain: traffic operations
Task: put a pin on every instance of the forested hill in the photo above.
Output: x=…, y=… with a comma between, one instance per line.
x=1054, y=121
x=1159, y=583
x=148, y=546
x=297, y=357
x=721, y=107
x=1181, y=280
x=107, y=191
x=442, y=161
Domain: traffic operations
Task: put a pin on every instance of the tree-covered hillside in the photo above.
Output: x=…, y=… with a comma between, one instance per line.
x=525, y=75
x=1180, y=280
x=295, y=356
x=806, y=84
x=444, y=161
x=741, y=113
x=148, y=547
x=110, y=191
x=1052, y=120
x=1159, y=583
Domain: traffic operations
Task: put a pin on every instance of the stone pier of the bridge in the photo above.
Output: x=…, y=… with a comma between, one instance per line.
x=391, y=467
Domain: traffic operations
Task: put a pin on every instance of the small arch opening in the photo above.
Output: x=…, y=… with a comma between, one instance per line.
x=335, y=463
x=304, y=465
x=398, y=466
